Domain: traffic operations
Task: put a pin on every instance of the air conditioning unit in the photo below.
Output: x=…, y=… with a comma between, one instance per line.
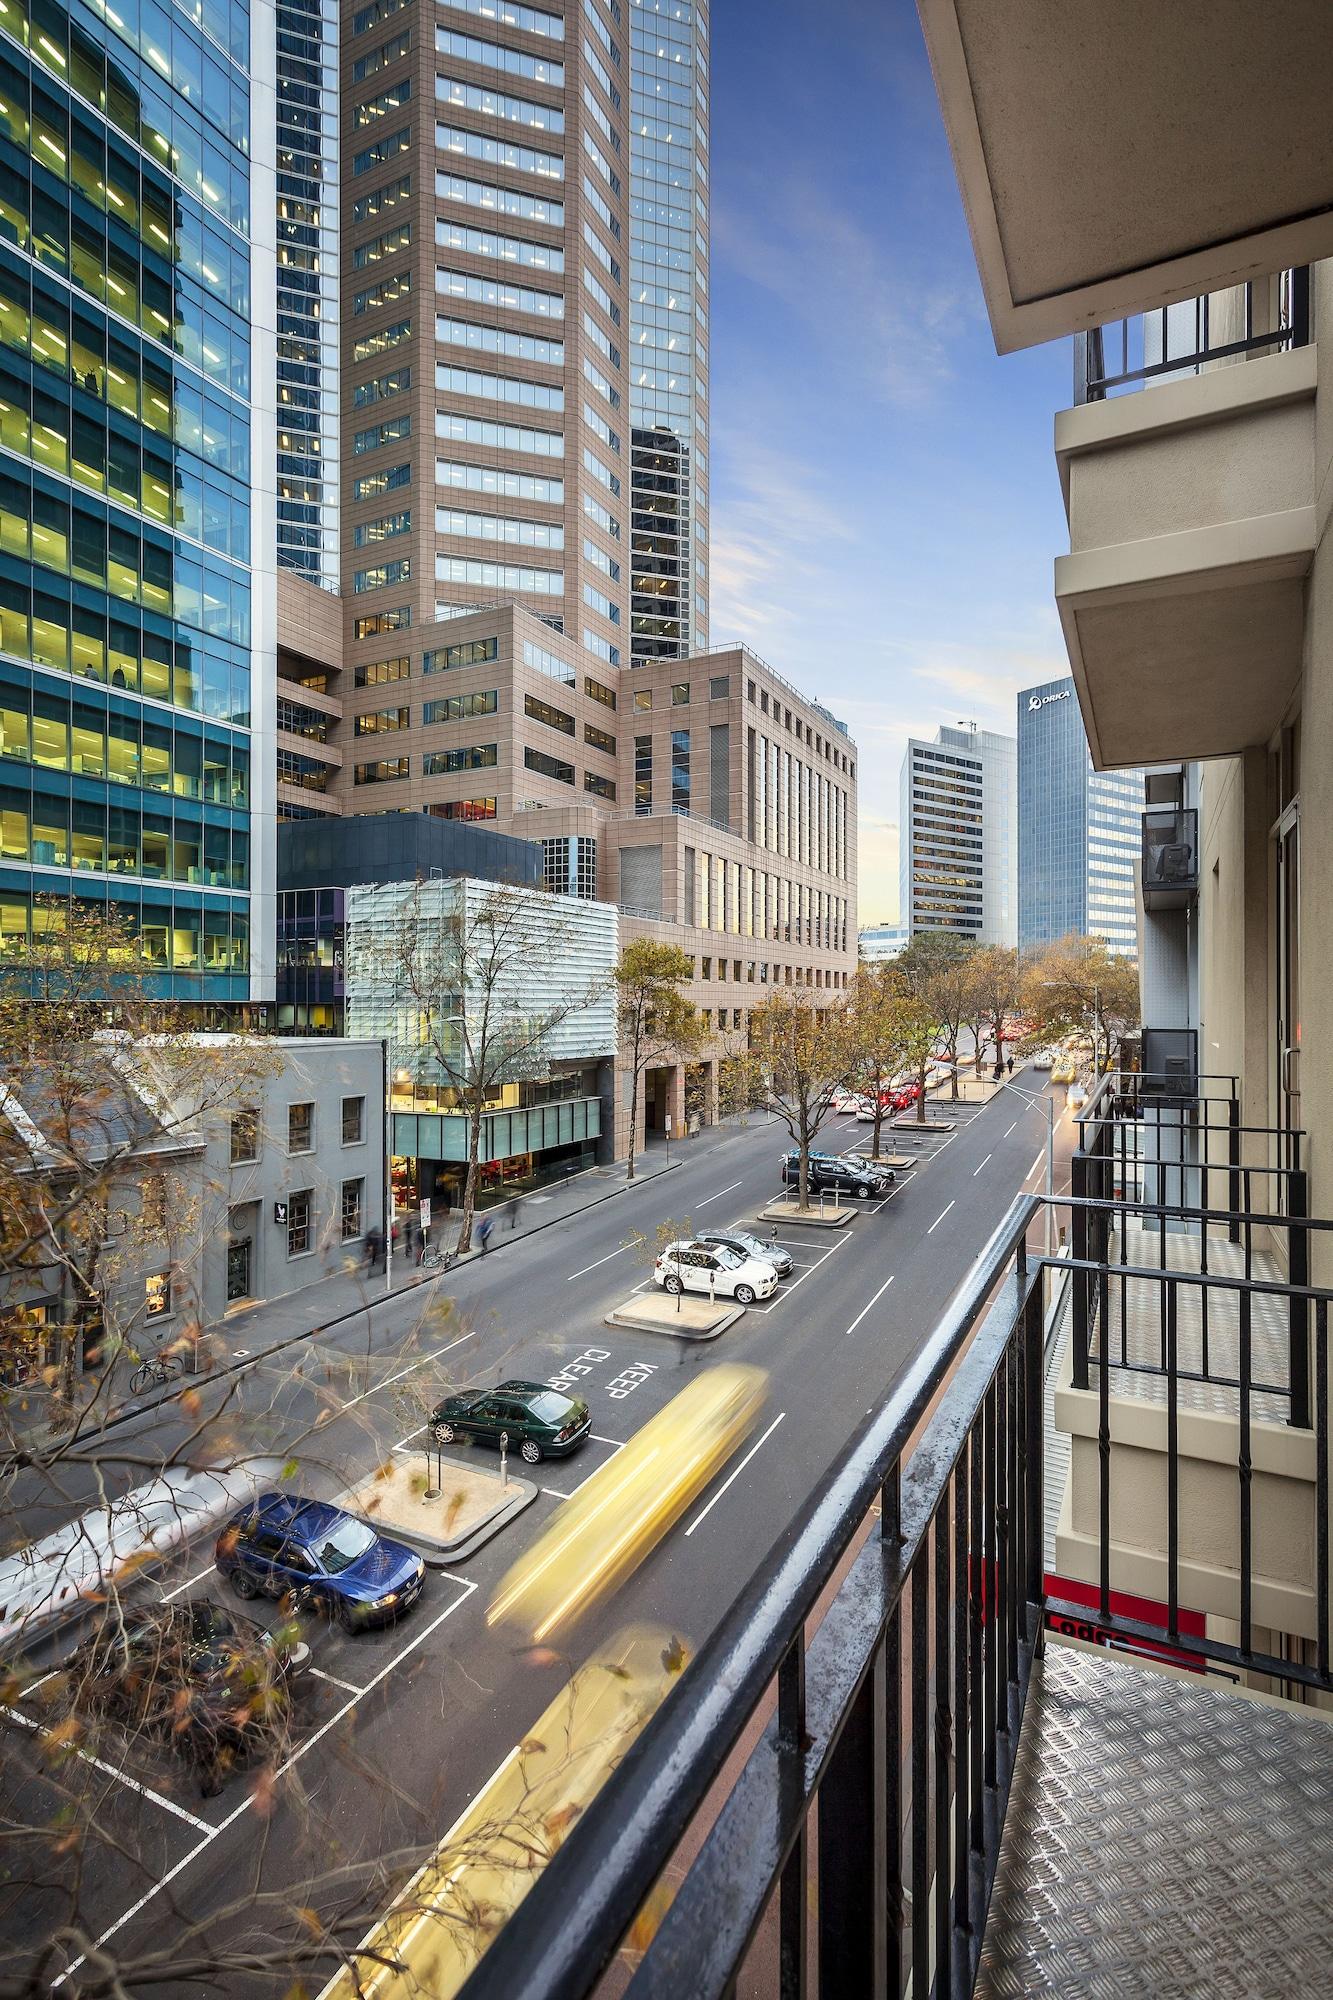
x=1169, y=1066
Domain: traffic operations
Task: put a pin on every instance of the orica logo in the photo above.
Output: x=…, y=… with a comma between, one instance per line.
x=1036, y=701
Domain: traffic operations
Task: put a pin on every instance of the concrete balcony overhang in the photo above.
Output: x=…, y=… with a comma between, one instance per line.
x=1192, y=528
x=1112, y=159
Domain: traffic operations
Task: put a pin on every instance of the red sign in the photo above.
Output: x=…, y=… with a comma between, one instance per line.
x=1141, y=1610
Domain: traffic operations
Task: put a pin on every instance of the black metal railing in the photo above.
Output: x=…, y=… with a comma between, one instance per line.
x=1158, y=1188
x=1184, y=338
x=1172, y=1289
x=884, y=1651
x=868, y=1816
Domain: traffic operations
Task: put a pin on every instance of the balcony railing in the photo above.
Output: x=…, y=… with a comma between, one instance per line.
x=1182, y=1218
x=1170, y=857
x=1263, y=317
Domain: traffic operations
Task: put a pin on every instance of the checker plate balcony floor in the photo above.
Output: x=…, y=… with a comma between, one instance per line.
x=1163, y=1837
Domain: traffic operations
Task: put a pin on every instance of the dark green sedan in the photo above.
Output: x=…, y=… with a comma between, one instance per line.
x=541, y=1422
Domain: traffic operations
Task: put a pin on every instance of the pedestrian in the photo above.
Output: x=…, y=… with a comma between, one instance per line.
x=409, y=1234
x=484, y=1233
x=513, y=1213
x=374, y=1245
x=1009, y=1064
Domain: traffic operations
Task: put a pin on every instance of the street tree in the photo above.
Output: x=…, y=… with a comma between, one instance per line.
x=802, y=1054
x=470, y=973
x=1079, y=983
x=656, y=1020
x=931, y=972
x=881, y=1011
x=104, y=1105
x=994, y=993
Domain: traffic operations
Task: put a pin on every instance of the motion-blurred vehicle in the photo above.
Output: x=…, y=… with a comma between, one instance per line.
x=1064, y=1070
x=747, y=1245
x=206, y=1680
x=715, y=1270
x=623, y=1510
x=287, y=1546
x=431, y=1939
x=828, y=1173
x=539, y=1421
x=1043, y=1059
x=844, y=1100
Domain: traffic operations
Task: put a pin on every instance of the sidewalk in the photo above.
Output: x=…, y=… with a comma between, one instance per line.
x=269, y=1326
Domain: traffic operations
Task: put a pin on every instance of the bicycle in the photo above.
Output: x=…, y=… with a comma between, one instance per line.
x=154, y=1371
x=435, y=1257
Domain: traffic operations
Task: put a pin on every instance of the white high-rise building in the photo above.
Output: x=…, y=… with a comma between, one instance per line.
x=958, y=850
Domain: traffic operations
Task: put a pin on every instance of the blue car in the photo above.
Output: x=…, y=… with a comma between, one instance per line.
x=285, y=1546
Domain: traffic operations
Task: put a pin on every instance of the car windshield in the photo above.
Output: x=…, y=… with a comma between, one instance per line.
x=343, y=1546
x=549, y=1407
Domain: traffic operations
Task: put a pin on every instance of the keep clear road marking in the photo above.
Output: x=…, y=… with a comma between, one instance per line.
x=705, y=1512
x=985, y=1163
x=601, y=1260
x=875, y=1301
x=128, y=1916
x=718, y=1196
x=938, y=1220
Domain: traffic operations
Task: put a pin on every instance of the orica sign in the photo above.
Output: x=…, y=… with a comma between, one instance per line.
x=1036, y=701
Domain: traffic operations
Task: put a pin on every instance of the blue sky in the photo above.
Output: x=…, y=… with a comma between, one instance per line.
x=884, y=502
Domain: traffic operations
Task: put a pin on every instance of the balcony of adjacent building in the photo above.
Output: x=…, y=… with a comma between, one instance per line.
x=1114, y=160
x=1169, y=860
x=999, y=1715
x=1187, y=464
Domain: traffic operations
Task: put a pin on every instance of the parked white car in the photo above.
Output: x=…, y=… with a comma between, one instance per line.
x=845, y=1100
x=712, y=1268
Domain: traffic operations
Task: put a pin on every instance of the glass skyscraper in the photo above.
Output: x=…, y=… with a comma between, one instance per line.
x=136, y=204
x=668, y=373
x=1078, y=829
x=308, y=275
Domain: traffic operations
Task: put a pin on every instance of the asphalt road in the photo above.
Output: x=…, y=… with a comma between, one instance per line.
x=397, y=1730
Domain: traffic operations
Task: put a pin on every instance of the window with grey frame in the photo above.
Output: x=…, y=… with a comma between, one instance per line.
x=300, y=1128
x=354, y=1120
x=353, y=1194
x=245, y=1136
x=299, y=1233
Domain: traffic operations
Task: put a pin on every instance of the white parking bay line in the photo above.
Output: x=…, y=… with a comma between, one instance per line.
x=420, y=1362
x=149, y=1895
x=875, y=1301
x=599, y=1439
x=121, y=1777
x=985, y=1163
x=167, y=1595
x=706, y=1511
x=333, y=1681
x=601, y=1260
x=938, y=1220
x=718, y=1196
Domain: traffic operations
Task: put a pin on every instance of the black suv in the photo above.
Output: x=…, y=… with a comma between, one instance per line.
x=827, y=1173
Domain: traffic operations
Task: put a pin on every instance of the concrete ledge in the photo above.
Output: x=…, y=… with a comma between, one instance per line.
x=833, y=1218
x=923, y=1126
x=696, y=1319
x=896, y=1161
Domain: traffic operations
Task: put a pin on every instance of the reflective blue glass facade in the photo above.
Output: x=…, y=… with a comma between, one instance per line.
x=668, y=369
x=307, y=288
x=1078, y=830
x=127, y=620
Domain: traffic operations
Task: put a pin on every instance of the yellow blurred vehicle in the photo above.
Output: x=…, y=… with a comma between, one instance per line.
x=623, y=1510
x=1065, y=1071
x=447, y=1915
